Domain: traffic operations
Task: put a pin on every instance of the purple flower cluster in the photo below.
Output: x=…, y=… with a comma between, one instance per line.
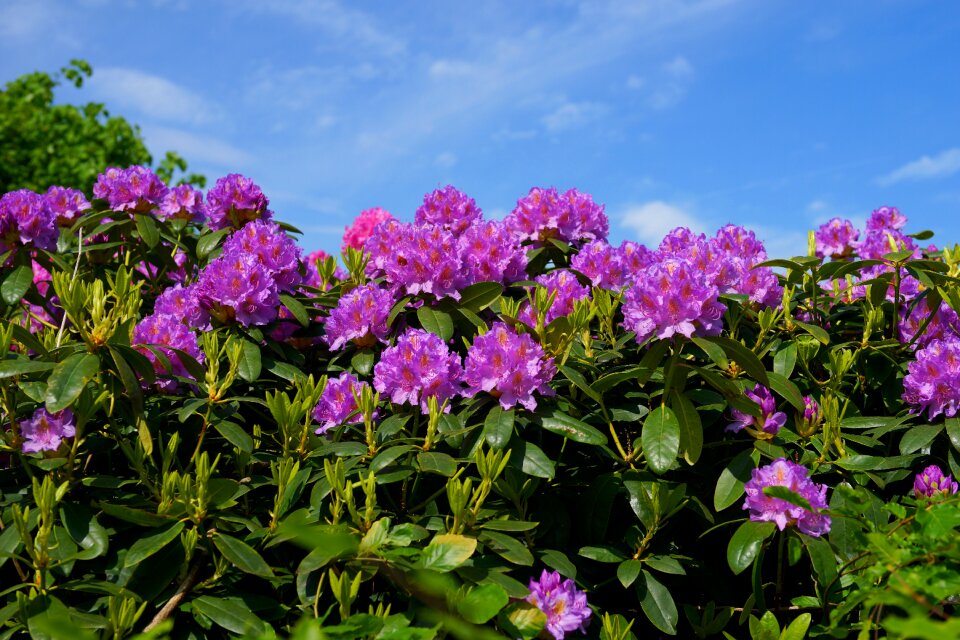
x=489, y=253
x=945, y=324
x=338, y=401
x=360, y=317
x=836, y=238
x=672, y=297
x=235, y=200
x=136, y=189
x=166, y=333
x=182, y=202
x=449, y=208
x=274, y=249
x=66, y=204
x=603, y=264
x=44, y=431
x=784, y=473
x=568, y=291
x=182, y=303
x=417, y=367
x=932, y=383
x=25, y=219
x=886, y=218
x=356, y=235
x=564, y=605
x=418, y=259
x=933, y=482
x=572, y=217
x=509, y=367
x=770, y=421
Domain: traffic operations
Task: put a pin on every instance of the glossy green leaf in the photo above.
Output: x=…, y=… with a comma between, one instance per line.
x=21, y=366
x=746, y=543
x=68, y=379
x=627, y=571
x=447, y=551
x=661, y=438
x=744, y=357
x=731, y=481
x=16, y=283
x=147, y=230
x=242, y=555
x=482, y=603
x=296, y=309
x=691, y=428
x=658, y=604
x=507, y=547
x=250, y=363
x=479, y=296
x=569, y=427
x=436, y=322
x=232, y=615
x=498, y=427
x=152, y=543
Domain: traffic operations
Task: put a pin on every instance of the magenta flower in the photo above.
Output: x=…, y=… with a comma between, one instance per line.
x=489, y=253
x=360, y=317
x=362, y=228
x=66, y=204
x=424, y=259
x=601, y=263
x=672, y=298
x=136, y=189
x=25, y=219
x=568, y=290
x=932, y=481
x=509, y=367
x=809, y=421
x=886, y=218
x=564, y=605
x=933, y=379
x=238, y=288
x=836, y=238
x=182, y=202
x=449, y=208
x=234, y=201
x=166, y=333
x=783, y=473
x=635, y=258
x=762, y=285
x=183, y=304
x=338, y=401
x=44, y=431
x=740, y=242
x=417, y=367
x=380, y=244
x=771, y=419
x=572, y=217
x=274, y=249
x=944, y=326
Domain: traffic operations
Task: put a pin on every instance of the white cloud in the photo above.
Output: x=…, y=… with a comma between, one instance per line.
x=679, y=67
x=445, y=160
x=944, y=164
x=572, y=114
x=635, y=82
x=651, y=221
x=677, y=75
x=196, y=148
x=816, y=206
x=451, y=69
x=152, y=96
x=32, y=21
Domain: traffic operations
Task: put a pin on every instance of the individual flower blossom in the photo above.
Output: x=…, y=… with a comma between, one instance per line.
x=581, y=219
x=601, y=263
x=182, y=202
x=238, y=288
x=380, y=243
x=886, y=218
x=66, y=204
x=564, y=605
x=568, y=291
x=44, y=431
x=784, y=473
x=183, y=304
x=338, y=401
x=932, y=382
x=671, y=298
x=945, y=324
x=424, y=259
x=809, y=421
x=274, y=249
x=235, y=200
x=489, y=253
x=136, y=189
x=417, y=367
x=359, y=317
x=166, y=333
x=572, y=217
x=449, y=208
x=768, y=423
x=509, y=367
x=837, y=238
x=25, y=219
x=932, y=481
x=356, y=234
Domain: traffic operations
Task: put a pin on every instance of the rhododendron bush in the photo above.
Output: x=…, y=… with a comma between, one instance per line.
x=466, y=427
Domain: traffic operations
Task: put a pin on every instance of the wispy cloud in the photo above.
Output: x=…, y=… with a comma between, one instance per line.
x=677, y=75
x=651, y=221
x=28, y=20
x=572, y=114
x=152, y=96
x=445, y=160
x=199, y=149
x=945, y=163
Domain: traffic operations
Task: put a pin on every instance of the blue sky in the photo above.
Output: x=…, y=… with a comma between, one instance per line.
x=773, y=114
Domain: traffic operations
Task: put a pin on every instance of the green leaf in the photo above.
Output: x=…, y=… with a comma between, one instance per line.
x=558, y=561
x=436, y=322
x=147, y=229
x=507, y=547
x=235, y=435
x=232, y=615
x=628, y=570
x=814, y=330
x=713, y=351
x=522, y=620
x=602, y=554
x=135, y=516
x=785, y=359
x=388, y=456
x=498, y=427
x=765, y=628
x=249, y=365
x=824, y=564
x=242, y=555
x=787, y=389
x=744, y=357
x=732, y=478
x=569, y=427
x=209, y=241
x=296, y=309
x=798, y=628
x=785, y=494
x=875, y=463
x=479, y=296
x=362, y=361
x=532, y=460
x=447, y=551
x=20, y=366
x=691, y=429
x=665, y=564
x=659, y=606
x=919, y=437
x=150, y=544
x=953, y=432
x=16, y=284
x=435, y=462
x=577, y=379
x=661, y=439
x=482, y=603
x=68, y=379
x=746, y=543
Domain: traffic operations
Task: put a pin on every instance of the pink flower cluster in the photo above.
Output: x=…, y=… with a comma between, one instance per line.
x=784, y=473
x=166, y=333
x=26, y=219
x=508, y=366
x=356, y=234
x=235, y=200
x=449, y=208
x=932, y=383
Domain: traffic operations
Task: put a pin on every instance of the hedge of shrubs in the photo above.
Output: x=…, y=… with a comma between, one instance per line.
x=470, y=428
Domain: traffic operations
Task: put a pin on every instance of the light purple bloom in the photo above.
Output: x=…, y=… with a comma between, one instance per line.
x=635, y=259
x=812, y=416
x=338, y=401
x=182, y=202
x=489, y=253
x=568, y=290
x=572, y=217
x=166, y=333
x=424, y=259
x=886, y=218
x=932, y=481
x=234, y=201
x=417, y=367
x=784, y=473
x=25, y=219
x=449, y=208
x=564, y=605
x=44, y=431
x=136, y=189
x=933, y=379
x=66, y=204
x=182, y=303
x=771, y=419
x=362, y=228
x=944, y=326
x=509, y=366
x=380, y=243
x=238, y=288
x=360, y=317
x=274, y=249
x=836, y=238
x=601, y=263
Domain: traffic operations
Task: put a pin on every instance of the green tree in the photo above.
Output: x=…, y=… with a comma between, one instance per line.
x=42, y=143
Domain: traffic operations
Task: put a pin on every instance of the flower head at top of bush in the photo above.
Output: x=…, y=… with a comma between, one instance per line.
x=359, y=317
x=182, y=304
x=770, y=420
x=235, y=200
x=66, y=204
x=603, y=264
x=784, y=473
x=136, y=189
x=932, y=383
x=564, y=605
x=182, y=202
x=572, y=217
x=837, y=238
x=417, y=367
x=932, y=482
x=509, y=366
x=238, y=288
x=489, y=253
x=449, y=208
x=25, y=219
x=356, y=234
x=423, y=259
x=274, y=249
x=44, y=431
